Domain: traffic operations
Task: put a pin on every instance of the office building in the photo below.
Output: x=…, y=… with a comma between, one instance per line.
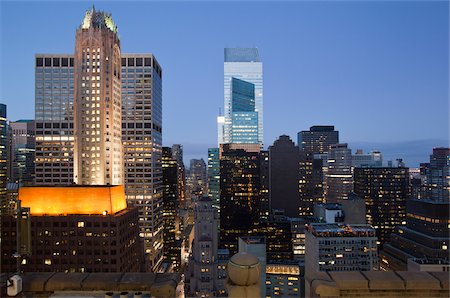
x=425, y=237
x=22, y=152
x=202, y=274
x=240, y=204
x=54, y=98
x=197, y=181
x=437, y=176
x=311, y=183
x=264, y=175
x=339, y=178
x=371, y=159
x=117, y=99
x=340, y=247
x=98, y=150
x=82, y=230
x=142, y=141
x=385, y=191
x=242, y=121
x=172, y=247
x=318, y=139
x=214, y=176
x=284, y=158
x=3, y=155
x=177, y=154
x=283, y=279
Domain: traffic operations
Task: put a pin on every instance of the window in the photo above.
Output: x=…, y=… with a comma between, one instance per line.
x=48, y=62
x=55, y=61
x=124, y=62
x=130, y=61
x=39, y=62
x=138, y=61
x=65, y=62
x=147, y=62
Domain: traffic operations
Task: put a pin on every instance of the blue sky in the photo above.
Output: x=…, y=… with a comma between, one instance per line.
x=378, y=71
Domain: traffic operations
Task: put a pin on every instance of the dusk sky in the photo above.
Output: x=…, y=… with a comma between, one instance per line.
x=379, y=71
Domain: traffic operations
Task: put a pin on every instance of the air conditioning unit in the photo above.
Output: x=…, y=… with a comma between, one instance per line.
x=14, y=285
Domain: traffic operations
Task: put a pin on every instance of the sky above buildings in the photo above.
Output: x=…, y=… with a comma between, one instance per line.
x=378, y=71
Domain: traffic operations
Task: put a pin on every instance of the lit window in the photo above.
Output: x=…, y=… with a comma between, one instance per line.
x=47, y=262
x=80, y=224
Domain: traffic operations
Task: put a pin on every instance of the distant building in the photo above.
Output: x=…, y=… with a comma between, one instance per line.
x=22, y=152
x=177, y=154
x=214, y=176
x=318, y=139
x=197, y=181
x=80, y=231
x=172, y=247
x=283, y=279
x=284, y=158
x=3, y=154
x=385, y=191
x=339, y=177
x=340, y=247
x=243, y=97
x=371, y=159
x=437, y=176
x=350, y=211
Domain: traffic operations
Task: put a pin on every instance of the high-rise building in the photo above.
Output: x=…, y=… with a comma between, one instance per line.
x=318, y=139
x=214, y=176
x=284, y=158
x=3, y=154
x=54, y=97
x=197, y=183
x=172, y=247
x=339, y=178
x=98, y=150
x=240, y=204
x=82, y=230
x=385, y=191
x=142, y=140
x=256, y=245
x=371, y=159
x=437, y=176
x=243, y=97
x=202, y=274
x=22, y=152
x=119, y=118
x=340, y=247
x=177, y=154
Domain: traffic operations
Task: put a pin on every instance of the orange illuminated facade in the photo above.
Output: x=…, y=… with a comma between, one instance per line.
x=73, y=200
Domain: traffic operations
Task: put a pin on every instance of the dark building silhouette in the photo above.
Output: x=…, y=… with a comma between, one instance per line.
x=3, y=154
x=172, y=247
x=284, y=158
x=240, y=203
x=385, y=191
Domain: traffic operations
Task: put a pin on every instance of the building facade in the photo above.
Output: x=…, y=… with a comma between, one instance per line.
x=3, y=155
x=318, y=139
x=214, y=176
x=339, y=178
x=243, y=84
x=22, y=152
x=385, y=191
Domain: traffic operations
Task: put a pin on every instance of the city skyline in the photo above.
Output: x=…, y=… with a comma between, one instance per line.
x=346, y=54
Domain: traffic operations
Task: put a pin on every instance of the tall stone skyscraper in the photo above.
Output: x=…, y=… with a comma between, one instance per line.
x=114, y=102
x=98, y=151
x=243, y=97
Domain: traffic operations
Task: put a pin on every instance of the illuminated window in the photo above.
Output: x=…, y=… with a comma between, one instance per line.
x=80, y=224
x=47, y=262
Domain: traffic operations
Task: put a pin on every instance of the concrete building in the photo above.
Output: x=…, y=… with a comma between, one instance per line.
x=84, y=229
x=177, y=154
x=203, y=265
x=437, y=176
x=339, y=179
x=318, y=139
x=22, y=152
x=3, y=155
x=368, y=160
x=284, y=158
x=350, y=211
x=256, y=245
x=214, y=176
x=385, y=191
x=340, y=247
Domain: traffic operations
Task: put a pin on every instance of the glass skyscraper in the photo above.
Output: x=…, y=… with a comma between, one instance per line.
x=243, y=97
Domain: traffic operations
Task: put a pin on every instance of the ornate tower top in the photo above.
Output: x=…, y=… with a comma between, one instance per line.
x=99, y=20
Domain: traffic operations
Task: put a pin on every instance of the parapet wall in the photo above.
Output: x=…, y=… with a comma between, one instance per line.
x=378, y=284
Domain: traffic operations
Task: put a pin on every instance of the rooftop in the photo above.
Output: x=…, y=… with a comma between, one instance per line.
x=241, y=55
x=98, y=20
x=340, y=230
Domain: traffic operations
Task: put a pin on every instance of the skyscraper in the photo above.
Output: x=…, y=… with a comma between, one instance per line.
x=385, y=191
x=142, y=140
x=243, y=97
x=318, y=139
x=3, y=153
x=437, y=176
x=119, y=118
x=339, y=178
x=214, y=176
x=54, y=97
x=177, y=154
x=98, y=150
x=22, y=151
x=284, y=158
x=172, y=249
